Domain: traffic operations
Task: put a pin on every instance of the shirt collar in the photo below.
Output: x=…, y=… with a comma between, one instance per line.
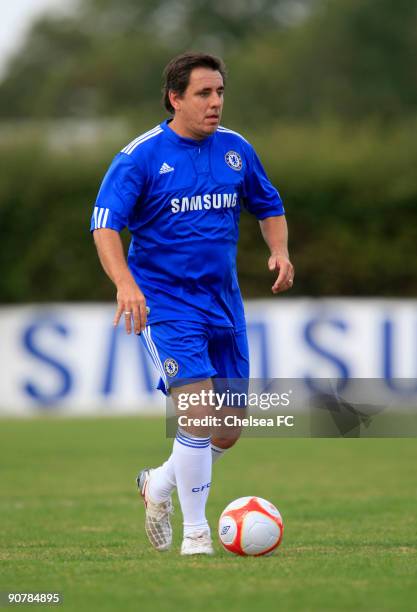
x=189, y=142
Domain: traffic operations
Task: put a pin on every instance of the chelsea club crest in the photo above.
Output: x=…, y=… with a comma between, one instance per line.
x=233, y=160
x=171, y=367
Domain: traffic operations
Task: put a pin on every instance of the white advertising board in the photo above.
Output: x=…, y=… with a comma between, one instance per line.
x=67, y=358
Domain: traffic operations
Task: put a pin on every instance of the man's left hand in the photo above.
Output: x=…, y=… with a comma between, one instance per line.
x=285, y=269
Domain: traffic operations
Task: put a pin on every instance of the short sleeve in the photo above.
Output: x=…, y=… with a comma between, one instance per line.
x=261, y=197
x=118, y=194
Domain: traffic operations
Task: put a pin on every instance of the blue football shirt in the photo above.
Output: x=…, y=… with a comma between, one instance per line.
x=181, y=200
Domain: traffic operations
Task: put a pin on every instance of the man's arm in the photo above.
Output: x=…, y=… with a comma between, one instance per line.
x=130, y=299
x=275, y=233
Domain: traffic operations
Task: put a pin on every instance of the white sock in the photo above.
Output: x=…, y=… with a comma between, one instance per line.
x=163, y=480
x=192, y=465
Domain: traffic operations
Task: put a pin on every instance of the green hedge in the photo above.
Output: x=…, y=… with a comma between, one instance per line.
x=350, y=196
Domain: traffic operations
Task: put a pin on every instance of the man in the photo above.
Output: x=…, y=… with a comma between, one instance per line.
x=179, y=189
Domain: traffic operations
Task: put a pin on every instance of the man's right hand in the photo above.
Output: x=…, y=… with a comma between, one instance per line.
x=131, y=304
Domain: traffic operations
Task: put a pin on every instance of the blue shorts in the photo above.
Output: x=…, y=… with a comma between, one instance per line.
x=186, y=351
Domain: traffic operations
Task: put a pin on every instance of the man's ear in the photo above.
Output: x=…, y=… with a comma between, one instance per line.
x=174, y=98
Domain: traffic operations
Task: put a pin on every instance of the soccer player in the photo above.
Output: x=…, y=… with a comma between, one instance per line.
x=179, y=189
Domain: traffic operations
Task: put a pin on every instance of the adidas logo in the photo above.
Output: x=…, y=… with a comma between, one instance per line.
x=165, y=168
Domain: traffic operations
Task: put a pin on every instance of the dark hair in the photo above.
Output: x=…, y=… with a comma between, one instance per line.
x=177, y=73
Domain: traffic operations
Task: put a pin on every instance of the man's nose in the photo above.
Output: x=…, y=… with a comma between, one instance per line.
x=215, y=100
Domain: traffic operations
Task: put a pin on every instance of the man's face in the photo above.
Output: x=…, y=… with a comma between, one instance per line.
x=198, y=110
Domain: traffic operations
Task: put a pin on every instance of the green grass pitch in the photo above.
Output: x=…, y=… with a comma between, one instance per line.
x=71, y=521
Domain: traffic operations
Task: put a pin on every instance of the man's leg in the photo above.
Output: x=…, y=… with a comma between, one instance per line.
x=230, y=353
x=189, y=468
x=189, y=346
x=192, y=467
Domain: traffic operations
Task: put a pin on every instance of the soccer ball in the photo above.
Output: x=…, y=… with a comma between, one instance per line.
x=250, y=526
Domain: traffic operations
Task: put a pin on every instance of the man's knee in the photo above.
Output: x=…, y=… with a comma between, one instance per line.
x=225, y=442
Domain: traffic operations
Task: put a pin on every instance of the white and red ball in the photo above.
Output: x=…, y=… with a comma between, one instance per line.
x=250, y=526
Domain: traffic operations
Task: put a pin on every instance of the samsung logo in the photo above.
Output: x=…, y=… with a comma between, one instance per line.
x=204, y=202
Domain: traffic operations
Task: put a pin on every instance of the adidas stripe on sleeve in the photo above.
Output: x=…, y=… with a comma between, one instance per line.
x=142, y=138
x=100, y=216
